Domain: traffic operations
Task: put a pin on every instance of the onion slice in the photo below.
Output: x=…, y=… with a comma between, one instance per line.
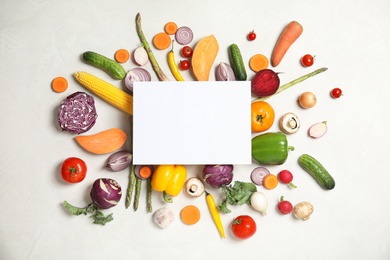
x=136, y=74
x=77, y=113
x=318, y=130
x=140, y=56
x=184, y=35
x=258, y=175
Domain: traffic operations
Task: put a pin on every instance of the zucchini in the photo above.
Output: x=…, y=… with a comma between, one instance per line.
x=237, y=63
x=112, y=67
x=317, y=171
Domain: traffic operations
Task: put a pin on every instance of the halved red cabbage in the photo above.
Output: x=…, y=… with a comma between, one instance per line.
x=77, y=113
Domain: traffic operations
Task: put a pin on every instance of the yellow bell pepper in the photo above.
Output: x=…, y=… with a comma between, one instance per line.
x=169, y=179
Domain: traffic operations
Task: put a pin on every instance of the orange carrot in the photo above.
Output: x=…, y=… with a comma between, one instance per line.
x=170, y=28
x=59, y=84
x=122, y=55
x=145, y=172
x=103, y=142
x=258, y=62
x=270, y=181
x=289, y=35
x=190, y=215
x=162, y=41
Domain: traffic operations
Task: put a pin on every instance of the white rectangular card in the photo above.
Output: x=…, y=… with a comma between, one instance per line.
x=192, y=123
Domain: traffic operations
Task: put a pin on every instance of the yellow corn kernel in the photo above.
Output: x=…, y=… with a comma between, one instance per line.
x=106, y=91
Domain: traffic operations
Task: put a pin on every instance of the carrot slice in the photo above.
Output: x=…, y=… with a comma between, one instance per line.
x=59, y=84
x=122, y=55
x=190, y=215
x=270, y=181
x=162, y=41
x=145, y=172
x=258, y=62
x=170, y=28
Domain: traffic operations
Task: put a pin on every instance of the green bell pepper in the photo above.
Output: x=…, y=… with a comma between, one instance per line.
x=270, y=148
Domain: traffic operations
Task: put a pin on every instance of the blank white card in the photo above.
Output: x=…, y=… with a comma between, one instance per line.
x=192, y=123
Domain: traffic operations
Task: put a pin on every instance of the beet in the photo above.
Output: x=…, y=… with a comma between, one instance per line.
x=265, y=83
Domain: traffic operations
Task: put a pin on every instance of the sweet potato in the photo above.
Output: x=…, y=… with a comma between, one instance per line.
x=203, y=57
x=103, y=142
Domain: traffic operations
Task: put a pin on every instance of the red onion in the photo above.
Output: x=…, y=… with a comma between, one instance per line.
x=106, y=193
x=258, y=175
x=136, y=74
x=77, y=113
x=218, y=175
x=184, y=35
x=119, y=161
x=224, y=72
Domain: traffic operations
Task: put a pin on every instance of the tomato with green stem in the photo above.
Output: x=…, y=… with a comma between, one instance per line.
x=73, y=170
x=263, y=116
x=251, y=36
x=185, y=65
x=243, y=227
x=307, y=60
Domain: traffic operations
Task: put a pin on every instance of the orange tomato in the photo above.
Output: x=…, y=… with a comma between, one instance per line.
x=263, y=116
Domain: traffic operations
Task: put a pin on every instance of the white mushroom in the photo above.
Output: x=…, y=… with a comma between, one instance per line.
x=289, y=123
x=194, y=187
x=303, y=210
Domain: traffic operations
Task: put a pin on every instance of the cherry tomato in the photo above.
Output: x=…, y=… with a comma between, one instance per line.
x=251, y=36
x=307, y=60
x=263, y=116
x=73, y=170
x=336, y=93
x=185, y=65
x=186, y=51
x=243, y=227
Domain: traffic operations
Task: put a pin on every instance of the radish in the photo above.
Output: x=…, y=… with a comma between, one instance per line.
x=318, y=130
x=265, y=83
x=286, y=177
x=285, y=207
x=140, y=56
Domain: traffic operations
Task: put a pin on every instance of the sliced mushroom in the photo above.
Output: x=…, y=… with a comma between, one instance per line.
x=289, y=123
x=194, y=187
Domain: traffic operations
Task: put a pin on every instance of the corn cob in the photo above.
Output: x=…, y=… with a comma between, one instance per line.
x=106, y=91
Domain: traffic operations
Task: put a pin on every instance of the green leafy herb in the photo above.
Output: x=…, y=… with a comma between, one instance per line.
x=97, y=215
x=238, y=194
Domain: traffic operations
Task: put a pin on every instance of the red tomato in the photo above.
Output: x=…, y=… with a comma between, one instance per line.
x=185, y=65
x=73, y=170
x=243, y=227
x=186, y=51
x=336, y=93
x=252, y=36
x=307, y=60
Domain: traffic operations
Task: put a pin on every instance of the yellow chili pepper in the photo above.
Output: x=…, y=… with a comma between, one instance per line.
x=173, y=66
x=169, y=179
x=215, y=213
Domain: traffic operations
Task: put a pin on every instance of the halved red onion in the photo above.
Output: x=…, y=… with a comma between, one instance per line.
x=224, y=72
x=184, y=35
x=77, y=113
x=136, y=74
x=258, y=175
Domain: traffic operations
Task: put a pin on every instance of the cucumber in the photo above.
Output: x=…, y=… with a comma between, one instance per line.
x=112, y=67
x=317, y=171
x=237, y=63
